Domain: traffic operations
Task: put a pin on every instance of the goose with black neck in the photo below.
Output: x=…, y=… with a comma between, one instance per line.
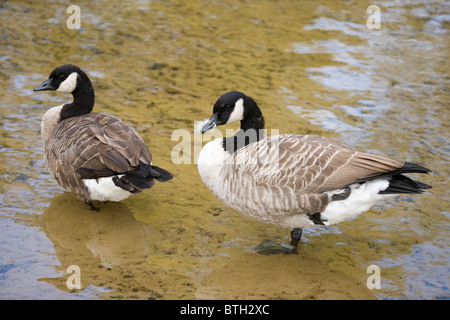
x=97, y=156
x=291, y=180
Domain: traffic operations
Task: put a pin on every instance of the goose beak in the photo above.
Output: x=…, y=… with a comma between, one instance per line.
x=46, y=85
x=211, y=124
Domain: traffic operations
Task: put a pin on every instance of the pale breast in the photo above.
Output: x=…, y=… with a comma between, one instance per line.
x=49, y=121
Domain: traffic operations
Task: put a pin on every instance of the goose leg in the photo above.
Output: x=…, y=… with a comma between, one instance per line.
x=92, y=207
x=296, y=235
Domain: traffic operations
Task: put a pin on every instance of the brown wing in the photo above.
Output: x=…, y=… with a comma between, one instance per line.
x=294, y=171
x=313, y=164
x=93, y=146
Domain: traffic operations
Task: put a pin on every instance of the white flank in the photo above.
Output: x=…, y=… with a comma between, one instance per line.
x=104, y=189
x=361, y=199
x=69, y=84
x=238, y=112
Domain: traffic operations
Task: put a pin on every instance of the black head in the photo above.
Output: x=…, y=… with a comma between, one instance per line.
x=235, y=106
x=66, y=78
x=71, y=79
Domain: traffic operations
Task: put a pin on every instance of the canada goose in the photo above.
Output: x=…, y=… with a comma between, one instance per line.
x=291, y=180
x=97, y=156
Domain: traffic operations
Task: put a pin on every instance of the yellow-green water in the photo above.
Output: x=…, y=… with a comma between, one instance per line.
x=312, y=66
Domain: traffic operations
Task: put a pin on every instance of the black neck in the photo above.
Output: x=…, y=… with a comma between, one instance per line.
x=83, y=101
x=252, y=130
x=256, y=123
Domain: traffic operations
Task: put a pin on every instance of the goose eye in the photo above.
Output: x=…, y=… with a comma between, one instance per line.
x=61, y=76
x=227, y=107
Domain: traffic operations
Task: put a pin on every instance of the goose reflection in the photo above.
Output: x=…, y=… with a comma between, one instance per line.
x=291, y=277
x=109, y=247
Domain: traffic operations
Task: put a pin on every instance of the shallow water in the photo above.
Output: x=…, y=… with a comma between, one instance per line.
x=313, y=67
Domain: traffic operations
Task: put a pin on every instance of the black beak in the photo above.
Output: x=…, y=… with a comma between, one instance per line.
x=212, y=123
x=46, y=85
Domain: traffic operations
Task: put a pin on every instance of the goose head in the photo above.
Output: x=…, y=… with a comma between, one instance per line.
x=66, y=78
x=235, y=106
x=71, y=79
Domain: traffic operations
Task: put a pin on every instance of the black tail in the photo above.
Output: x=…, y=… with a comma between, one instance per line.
x=402, y=184
x=160, y=174
x=142, y=178
x=410, y=167
x=399, y=183
x=132, y=183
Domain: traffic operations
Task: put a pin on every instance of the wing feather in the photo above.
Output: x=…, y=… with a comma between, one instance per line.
x=288, y=169
x=93, y=146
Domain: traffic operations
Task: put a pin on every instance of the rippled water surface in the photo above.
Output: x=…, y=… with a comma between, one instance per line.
x=313, y=67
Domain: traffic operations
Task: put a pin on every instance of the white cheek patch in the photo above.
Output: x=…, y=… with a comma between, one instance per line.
x=69, y=84
x=238, y=112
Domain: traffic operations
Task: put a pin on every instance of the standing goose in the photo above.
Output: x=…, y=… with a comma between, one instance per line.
x=291, y=180
x=95, y=155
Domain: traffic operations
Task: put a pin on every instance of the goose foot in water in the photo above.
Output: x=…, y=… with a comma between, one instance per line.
x=269, y=247
x=296, y=236
x=92, y=207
